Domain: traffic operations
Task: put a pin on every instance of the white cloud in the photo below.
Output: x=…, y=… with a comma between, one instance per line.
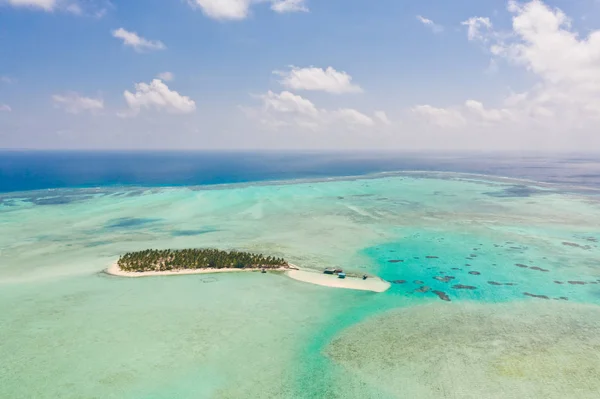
x=287, y=109
x=471, y=113
x=566, y=64
x=6, y=79
x=157, y=95
x=382, y=117
x=442, y=117
x=287, y=102
x=5, y=108
x=318, y=79
x=240, y=9
x=166, y=76
x=76, y=7
x=138, y=43
x=283, y=6
x=73, y=103
x=485, y=115
x=223, y=9
x=566, y=99
x=475, y=27
x=429, y=23
x=45, y=5
x=547, y=46
x=353, y=117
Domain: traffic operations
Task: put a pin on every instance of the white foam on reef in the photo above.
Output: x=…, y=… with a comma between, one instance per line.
x=373, y=284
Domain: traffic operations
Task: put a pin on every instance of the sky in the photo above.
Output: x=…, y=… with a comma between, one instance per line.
x=300, y=74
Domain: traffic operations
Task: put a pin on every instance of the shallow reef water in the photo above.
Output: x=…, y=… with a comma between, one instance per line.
x=509, y=350
x=495, y=291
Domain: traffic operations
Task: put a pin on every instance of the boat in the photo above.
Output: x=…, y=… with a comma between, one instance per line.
x=333, y=270
x=342, y=275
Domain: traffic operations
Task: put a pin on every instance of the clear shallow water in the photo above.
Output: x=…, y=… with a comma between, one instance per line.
x=70, y=331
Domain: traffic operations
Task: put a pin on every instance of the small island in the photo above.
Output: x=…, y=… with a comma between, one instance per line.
x=153, y=262
x=166, y=262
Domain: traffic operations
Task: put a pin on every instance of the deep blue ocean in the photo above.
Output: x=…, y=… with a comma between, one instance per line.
x=34, y=170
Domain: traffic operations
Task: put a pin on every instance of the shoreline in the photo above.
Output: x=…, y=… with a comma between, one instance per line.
x=115, y=270
x=372, y=284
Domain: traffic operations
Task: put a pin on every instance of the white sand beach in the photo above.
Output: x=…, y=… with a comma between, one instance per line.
x=373, y=284
x=115, y=270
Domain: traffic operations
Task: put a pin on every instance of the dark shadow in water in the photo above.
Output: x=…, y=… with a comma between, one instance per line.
x=189, y=233
x=128, y=223
x=516, y=192
x=58, y=200
x=45, y=199
x=97, y=244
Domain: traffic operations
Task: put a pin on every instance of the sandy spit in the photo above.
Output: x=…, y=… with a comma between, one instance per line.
x=373, y=284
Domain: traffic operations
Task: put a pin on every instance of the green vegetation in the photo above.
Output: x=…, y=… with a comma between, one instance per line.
x=153, y=260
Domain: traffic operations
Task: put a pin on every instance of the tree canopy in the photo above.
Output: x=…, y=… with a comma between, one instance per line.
x=180, y=259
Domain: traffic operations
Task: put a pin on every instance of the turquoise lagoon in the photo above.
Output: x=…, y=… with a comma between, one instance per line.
x=519, y=262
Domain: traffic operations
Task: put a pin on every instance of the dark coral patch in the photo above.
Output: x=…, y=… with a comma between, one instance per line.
x=463, y=287
x=419, y=282
x=423, y=289
x=432, y=257
x=564, y=298
x=497, y=283
x=539, y=269
x=444, y=279
x=398, y=281
x=396, y=261
x=521, y=266
x=535, y=296
x=456, y=268
x=572, y=244
x=442, y=295
x=474, y=273
x=577, y=282
x=559, y=282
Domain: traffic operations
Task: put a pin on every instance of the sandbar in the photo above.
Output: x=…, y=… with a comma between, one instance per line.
x=373, y=284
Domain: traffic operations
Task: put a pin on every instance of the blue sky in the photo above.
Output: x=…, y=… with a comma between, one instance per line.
x=465, y=74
